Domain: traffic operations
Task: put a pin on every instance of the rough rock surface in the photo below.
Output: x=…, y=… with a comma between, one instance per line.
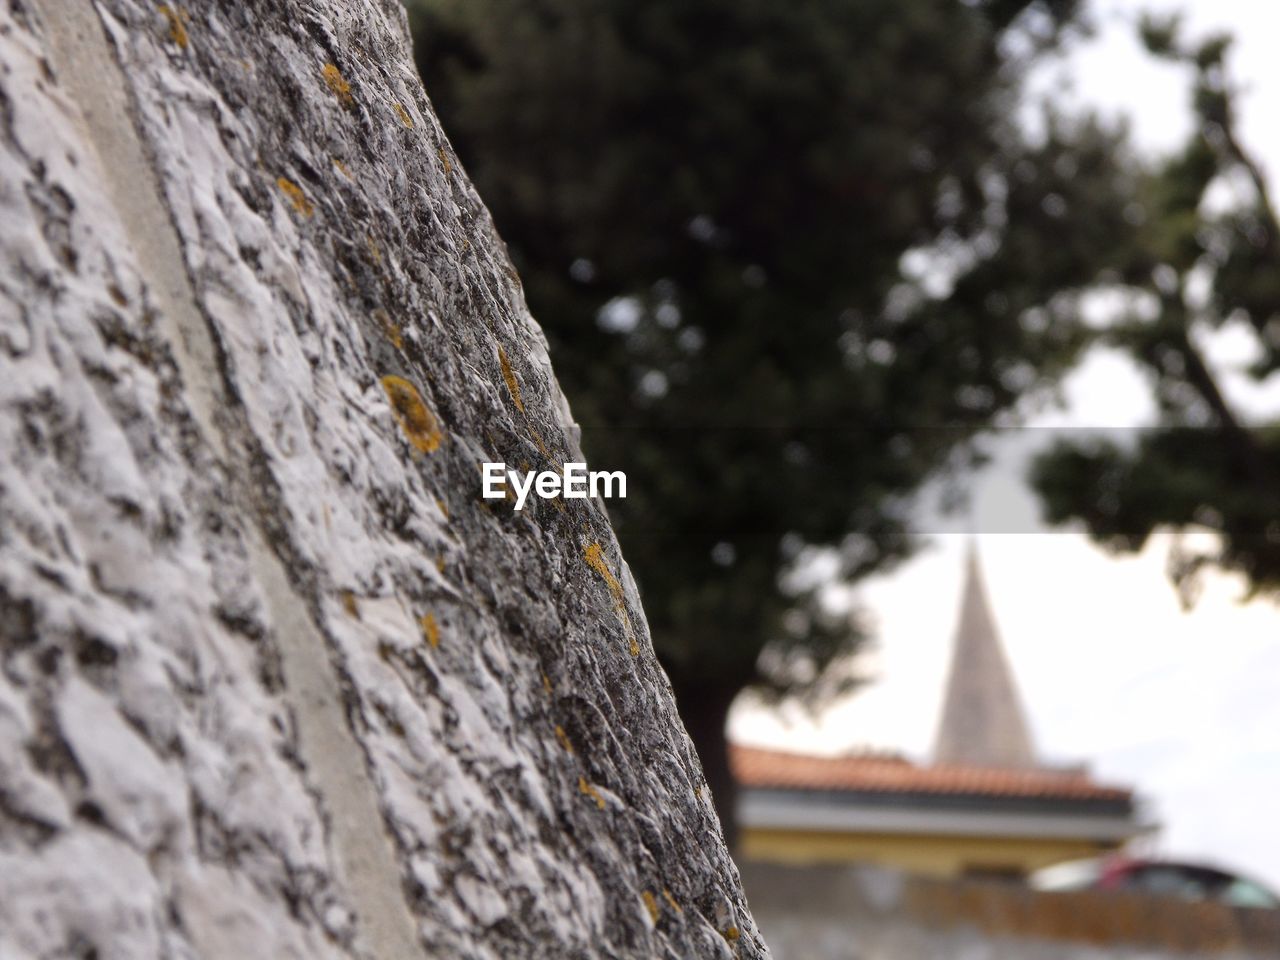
x=274, y=680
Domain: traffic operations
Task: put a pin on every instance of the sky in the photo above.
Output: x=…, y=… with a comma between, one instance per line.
x=1184, y=706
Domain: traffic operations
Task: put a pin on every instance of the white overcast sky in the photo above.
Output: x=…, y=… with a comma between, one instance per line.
x=1184, y=706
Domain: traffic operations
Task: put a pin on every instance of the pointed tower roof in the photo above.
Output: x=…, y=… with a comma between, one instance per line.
x=982, y=719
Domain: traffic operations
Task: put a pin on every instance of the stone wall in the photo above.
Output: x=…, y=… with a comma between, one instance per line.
x=851, y=913
x=274, y=680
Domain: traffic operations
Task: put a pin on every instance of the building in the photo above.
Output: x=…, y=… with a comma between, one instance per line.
x=984, y=806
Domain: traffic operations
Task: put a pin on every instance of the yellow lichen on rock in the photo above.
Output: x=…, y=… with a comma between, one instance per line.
x=296, y=196
x=564, y=739
x=389, y=327
x=666, y=894
x=595, y=560
x=403, y=114
x=418, y=423
x=178, y=20
x=336, y=82
x=589, y=790
x=513, y=385
x=538, y=442
x=430, y=629
x=444, y=159
x=350, y=604
x=651, y=904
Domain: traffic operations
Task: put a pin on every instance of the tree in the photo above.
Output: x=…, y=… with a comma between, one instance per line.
x=790, y=259
x=1195, y=266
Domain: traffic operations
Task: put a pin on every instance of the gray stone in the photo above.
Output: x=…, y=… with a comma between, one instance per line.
x=274, y=679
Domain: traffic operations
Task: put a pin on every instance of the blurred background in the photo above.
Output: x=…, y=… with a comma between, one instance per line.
x=939, y=341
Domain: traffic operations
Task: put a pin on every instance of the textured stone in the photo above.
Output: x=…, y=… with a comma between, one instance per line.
x=274, y=679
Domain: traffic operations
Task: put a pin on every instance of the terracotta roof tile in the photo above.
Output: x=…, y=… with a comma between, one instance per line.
x=878, y=773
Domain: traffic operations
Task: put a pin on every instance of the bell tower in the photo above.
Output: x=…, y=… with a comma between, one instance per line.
x=983, y=723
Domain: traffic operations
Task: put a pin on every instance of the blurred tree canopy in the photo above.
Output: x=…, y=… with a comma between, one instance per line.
x=791, y=258
x=1196, y=264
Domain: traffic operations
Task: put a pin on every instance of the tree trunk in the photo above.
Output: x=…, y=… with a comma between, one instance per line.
x=705, y=711
x=275, y=680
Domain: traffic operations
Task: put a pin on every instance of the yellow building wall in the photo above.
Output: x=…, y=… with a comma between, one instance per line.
x=938, y=856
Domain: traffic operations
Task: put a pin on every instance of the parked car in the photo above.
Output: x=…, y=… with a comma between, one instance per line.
x=1170, y=878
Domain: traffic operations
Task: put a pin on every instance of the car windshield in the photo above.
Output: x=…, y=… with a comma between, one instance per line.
x=1246, y=893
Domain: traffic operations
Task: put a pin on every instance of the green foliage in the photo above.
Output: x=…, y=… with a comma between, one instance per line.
x=1203, y=465
x=710, y=203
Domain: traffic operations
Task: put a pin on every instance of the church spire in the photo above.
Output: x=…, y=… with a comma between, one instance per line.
x=982, y=719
